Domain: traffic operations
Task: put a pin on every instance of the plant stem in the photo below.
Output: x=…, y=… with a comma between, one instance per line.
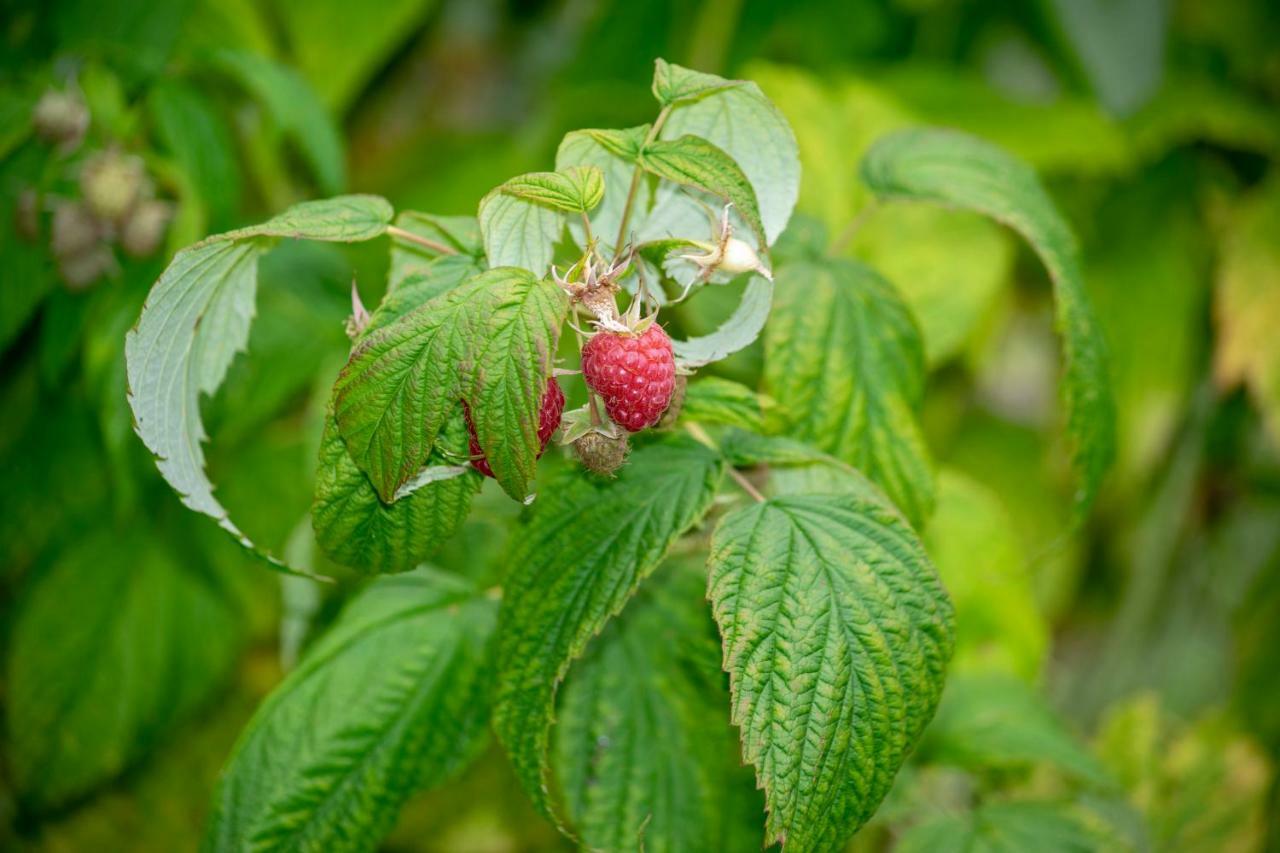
x=842, y=241
x=426, y=242
x=637, y=175
x=586, y=228
x=695, y=429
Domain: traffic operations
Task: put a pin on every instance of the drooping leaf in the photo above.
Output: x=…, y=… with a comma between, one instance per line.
x=953, y=168
x=836, y=635
x=1002, y=827
x=427, y=281
x=518, y=233
x=672, y=83
x=577, y=189
x=295, y=108
x=489, y=341
x=197, y=318
x=653, y=677
x=991, y=720
x=114, y=644
x=357, y=529
x=844, y=359
x=390, y=701
x=691, y=161
x=588, y=546
x=739, y=330
x=950, y=267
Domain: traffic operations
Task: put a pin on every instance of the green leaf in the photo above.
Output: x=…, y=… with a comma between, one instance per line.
x=614, y=153
x=196, y=319
x=578, y=189
x=460, y=233
x=391, y=700
x=1246, y=301
x=112, y=645
x=1009, y=827
x=427, y=281
x=844, y=359
x=745, y=125
x=950, y=267
x=739, y=330
x=653, y=677
x=588, y=546
x=836, y=635
x=956, y=169
x=295, y=108
x=975, y=546
x=518, y=233
x=691, y=161
x=357, y=529
x=990, y=721
x=672, y=83
x=713, y=400
x=490, y=341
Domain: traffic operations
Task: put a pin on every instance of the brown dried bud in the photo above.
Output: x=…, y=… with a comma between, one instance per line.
x=84, y=268
x=75, y=229
x=601, y=453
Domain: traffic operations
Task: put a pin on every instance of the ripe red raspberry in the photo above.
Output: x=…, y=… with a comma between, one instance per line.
x=548, y=420
x=633, y=374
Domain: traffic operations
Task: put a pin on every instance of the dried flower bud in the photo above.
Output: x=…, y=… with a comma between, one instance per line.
x=61, y=118
x=26, y=216
x=75, y=229
x=600, y=453
x=84, y=268
x=111, y=182
x=144, y=227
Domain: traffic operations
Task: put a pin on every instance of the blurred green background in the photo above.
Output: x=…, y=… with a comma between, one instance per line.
x=1152, y=635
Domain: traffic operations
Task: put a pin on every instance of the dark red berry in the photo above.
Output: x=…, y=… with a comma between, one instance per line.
x=548, y=420
x=633, y=374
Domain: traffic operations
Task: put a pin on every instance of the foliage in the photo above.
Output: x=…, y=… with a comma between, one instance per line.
x=868, y=584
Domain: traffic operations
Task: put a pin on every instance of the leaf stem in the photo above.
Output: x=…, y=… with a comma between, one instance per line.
x=842, y=241
x=695, y=429
x=426, y=242
x=637, y=174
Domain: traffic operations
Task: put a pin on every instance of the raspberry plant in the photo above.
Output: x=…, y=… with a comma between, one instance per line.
x=796, y=508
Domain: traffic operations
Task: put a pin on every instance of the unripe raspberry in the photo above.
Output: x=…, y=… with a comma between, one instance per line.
x=61, y=117
x=110, y=183
x=75, y=229
x=633, y=374
x=600, y=453
x=548, y=420
x=144, y=227
x=672, y=414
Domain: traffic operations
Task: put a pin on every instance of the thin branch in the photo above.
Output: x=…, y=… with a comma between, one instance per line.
x=695, y=429
x=637, y=174
x=425, y=242
x=841, y=242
